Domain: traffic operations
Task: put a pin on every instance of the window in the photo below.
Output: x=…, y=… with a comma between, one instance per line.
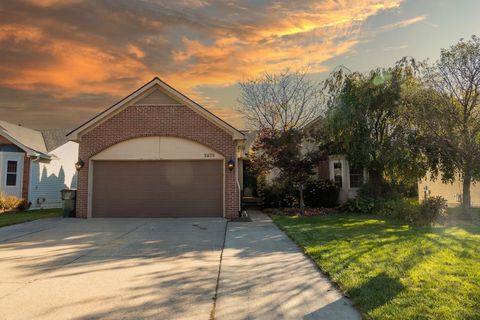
x=356, y=177
x=11, y=173
x=337, y=174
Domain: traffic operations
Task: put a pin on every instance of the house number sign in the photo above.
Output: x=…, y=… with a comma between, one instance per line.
x=209, y=155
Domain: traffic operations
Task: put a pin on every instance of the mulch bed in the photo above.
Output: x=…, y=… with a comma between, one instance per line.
x=309, y=212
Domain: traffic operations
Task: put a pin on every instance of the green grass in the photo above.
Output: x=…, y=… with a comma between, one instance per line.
x=7, y=219
x=392, y=270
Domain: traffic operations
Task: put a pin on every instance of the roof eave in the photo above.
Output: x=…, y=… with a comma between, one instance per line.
x=28, y=151
x=75, y=135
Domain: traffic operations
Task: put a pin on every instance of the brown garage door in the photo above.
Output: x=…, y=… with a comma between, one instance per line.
x=157, y=189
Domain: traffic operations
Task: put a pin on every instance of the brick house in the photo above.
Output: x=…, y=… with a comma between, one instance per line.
x=157, y=153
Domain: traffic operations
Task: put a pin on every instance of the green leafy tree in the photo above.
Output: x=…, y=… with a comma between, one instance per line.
x=448, y=114
x=366, y=120
x=289, y=154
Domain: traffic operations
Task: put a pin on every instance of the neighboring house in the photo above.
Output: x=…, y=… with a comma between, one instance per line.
x=452, y=192
x=35, y=165
x=333, y=167
x=338, y=169
x=348, y=179
x=156, y=153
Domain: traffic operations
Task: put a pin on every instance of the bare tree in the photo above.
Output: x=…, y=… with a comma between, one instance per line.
x=279, y=106
x=282, y=101
x=451, y=117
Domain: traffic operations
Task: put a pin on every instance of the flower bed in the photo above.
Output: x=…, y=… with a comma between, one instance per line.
x=309, y=212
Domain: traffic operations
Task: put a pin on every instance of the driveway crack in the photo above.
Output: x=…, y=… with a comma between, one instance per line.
x=215, y=296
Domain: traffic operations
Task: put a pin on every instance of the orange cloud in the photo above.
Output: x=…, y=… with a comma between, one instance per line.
x=307, y=37
x=404, y=23
x=49, y=3
x=55, y=49
x=18, y=34
x=75, y=67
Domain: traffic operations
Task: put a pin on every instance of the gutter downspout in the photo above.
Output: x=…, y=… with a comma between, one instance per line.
x=30, y=178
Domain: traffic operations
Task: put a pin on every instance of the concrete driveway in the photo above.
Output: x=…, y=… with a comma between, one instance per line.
x=110, y=268
x=160, y=269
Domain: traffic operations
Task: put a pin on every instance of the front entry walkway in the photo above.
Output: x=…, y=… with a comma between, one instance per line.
x=264, y=275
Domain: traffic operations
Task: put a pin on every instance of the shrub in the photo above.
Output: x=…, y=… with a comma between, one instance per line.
x=321, y=194
x=359, y=206
x=431, y=210
x=399, y=208
x=277, y=194
x=12, y=202
x=9, y=202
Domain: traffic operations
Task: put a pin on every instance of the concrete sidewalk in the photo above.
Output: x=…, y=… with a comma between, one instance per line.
x=264, y=275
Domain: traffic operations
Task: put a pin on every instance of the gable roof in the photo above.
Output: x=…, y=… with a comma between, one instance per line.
x=146, y=89
x=315, y=123
x=33, y=142
x=250, y=136
x=29, y=140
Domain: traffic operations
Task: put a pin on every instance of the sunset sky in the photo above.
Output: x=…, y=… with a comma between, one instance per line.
x=63, y=61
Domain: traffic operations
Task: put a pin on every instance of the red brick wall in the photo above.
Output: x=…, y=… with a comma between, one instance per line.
x=4, y=140
x=26, y=177
x=143, y=121
x=26, y=170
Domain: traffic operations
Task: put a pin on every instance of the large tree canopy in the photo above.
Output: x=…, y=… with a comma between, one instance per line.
x=367, y=121
x=448, y=114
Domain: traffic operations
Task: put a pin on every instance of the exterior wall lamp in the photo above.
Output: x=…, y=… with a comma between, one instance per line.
x=231, y=164
x=79, y=165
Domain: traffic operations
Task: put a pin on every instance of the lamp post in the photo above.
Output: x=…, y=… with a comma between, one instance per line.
x=426, y=192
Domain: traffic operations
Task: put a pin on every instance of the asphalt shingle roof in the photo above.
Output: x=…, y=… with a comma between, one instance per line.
x=30, y=138
x=42, y=141
x=54, y=138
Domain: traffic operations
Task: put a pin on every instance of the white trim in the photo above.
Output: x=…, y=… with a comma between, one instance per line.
x=332, y=163
x=90, y=188
x=29, y=151
x=346, y=192
x=158, y=105
x=238, y=185
x=30, y=179
x=145, y=90
x=224, y=178
x=17, y=189
x=364, y=174
x=158, y=148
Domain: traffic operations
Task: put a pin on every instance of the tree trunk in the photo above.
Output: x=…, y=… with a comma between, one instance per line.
x=466, y=199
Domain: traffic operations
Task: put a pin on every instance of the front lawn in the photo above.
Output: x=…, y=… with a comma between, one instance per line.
x=7, y=219
x=392, y=270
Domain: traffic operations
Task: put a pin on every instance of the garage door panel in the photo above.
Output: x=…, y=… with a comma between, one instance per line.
x=157, y=188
